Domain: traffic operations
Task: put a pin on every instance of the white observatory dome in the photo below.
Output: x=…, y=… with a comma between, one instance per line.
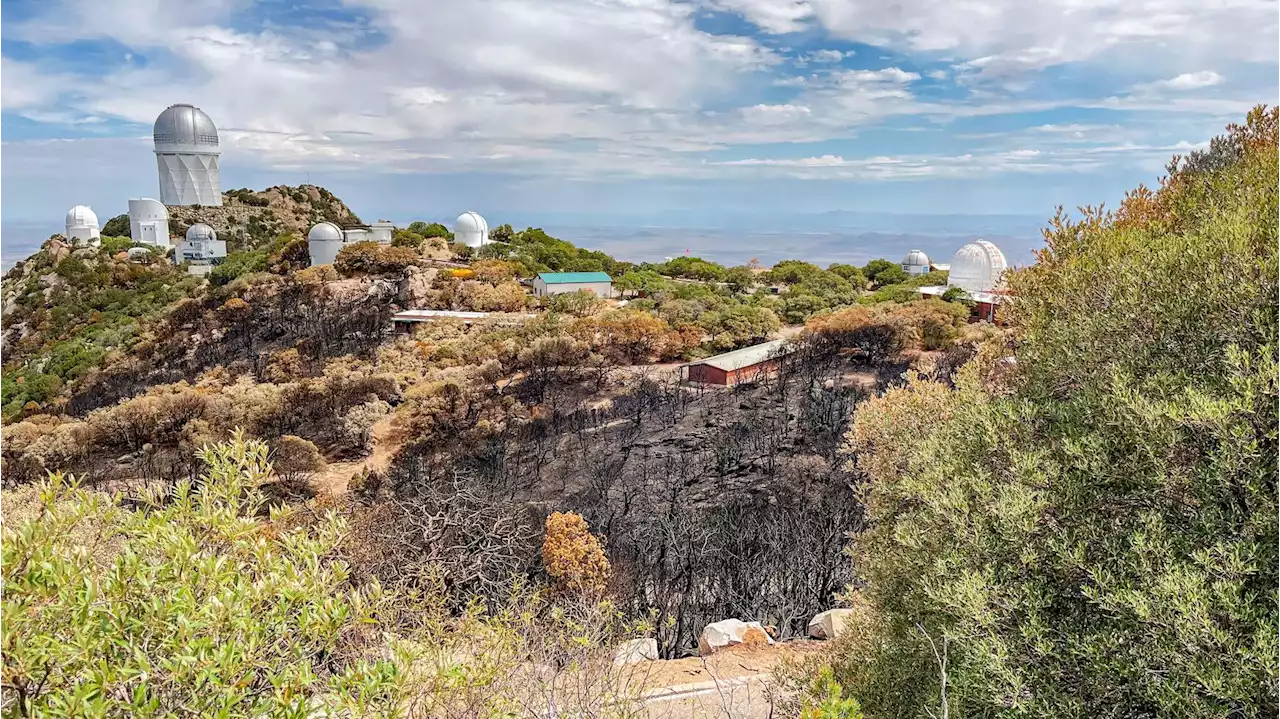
x=471, y=230
x=325, y=232
x=916, y=263
x=185, y=125
x=81, y=216
x=82, y=226
x=201, y=232
x=977, y=267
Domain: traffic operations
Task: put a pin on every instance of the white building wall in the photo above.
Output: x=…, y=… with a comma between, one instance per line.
x=149, y=222
x=84, y=235
x=189, y=179
x=599, y=289
x=381, y=232
x=323, y=252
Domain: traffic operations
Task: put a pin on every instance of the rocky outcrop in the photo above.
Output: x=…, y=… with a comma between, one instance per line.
x=829, y=624
x=415, y=287
x=731, y=634
x=247, y=218
x=636, y=651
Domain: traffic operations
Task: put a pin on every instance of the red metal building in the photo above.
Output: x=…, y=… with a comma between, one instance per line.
x=745, y=365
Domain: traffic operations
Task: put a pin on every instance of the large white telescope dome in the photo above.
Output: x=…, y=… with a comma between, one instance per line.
x=471, y=230
x=977, y=267
x=183, y=125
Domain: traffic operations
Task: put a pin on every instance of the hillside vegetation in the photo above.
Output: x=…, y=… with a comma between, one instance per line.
x=1092, y=531
x=1073, y=515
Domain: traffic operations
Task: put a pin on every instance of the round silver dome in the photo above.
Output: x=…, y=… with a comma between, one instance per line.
x=185, y=125
x=201, y=232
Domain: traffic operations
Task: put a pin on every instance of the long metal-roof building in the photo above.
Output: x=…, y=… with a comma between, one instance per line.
x=745, y=365
x=555, y=283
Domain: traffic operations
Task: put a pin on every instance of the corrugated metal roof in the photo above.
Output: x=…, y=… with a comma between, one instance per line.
x=562, y=278
x=746, y=356
x=424, y=315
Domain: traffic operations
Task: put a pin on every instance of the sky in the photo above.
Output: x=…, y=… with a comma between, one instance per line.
x=696, y=113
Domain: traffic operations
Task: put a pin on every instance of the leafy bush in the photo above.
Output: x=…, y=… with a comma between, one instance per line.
x=189, y=605
x=117, y=226
x=1090, y=530
x=891, y=275
x=573, y=557
x=371, y=258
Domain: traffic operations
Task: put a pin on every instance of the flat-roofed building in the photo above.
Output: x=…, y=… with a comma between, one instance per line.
x=404, y=321
x=557, y=283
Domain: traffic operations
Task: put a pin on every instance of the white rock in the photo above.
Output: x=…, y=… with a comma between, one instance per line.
x=729, y=633
x=635, y=651
x=829, y=624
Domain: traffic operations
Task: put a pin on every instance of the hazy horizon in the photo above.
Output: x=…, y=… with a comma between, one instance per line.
x=822, y=238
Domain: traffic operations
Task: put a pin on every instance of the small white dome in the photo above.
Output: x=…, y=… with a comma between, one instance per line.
x=325, y=232
x=81, y=216
x=916, y=262
x=201, y=232
x=977, y=267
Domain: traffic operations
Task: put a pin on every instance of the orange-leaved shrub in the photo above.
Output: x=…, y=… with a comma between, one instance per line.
x=573, y=557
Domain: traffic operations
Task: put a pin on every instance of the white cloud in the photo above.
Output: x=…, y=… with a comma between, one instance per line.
x=1185, y=81
x=998, y=37
x=555, y=88
x=25, y=86
x=773, y=16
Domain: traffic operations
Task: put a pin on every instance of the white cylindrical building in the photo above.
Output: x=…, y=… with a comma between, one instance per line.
x=471, y=230
x=186, y=146
x=916, y=263
x=82, y=226
x=149, y=222
x=977, y=267
x=323, y=243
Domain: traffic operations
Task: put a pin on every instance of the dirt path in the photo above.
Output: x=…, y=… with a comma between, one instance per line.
x=387, y=439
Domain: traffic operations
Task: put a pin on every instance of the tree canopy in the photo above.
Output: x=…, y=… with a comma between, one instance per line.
x=1086, y=525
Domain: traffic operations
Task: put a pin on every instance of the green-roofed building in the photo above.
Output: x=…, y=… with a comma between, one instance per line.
x=556, y=283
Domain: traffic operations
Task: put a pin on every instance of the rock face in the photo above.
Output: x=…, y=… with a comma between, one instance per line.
x=415, y=288
x=247, y=218
x=731, y=633
x=829, y=624
x=636, y=651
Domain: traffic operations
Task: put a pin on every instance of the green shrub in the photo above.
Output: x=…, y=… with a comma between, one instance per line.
x=1091, y=531
x=189, y=605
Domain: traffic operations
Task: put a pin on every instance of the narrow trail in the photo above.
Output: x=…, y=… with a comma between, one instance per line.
x=387, y=439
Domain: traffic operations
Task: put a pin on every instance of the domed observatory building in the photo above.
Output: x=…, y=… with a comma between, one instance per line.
x=149, y=222
x=978, y=269
x=82, y=227
x=916, y=263
x=471, y=230
x=323, y=243
x=202, y=249
x=186, y=146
